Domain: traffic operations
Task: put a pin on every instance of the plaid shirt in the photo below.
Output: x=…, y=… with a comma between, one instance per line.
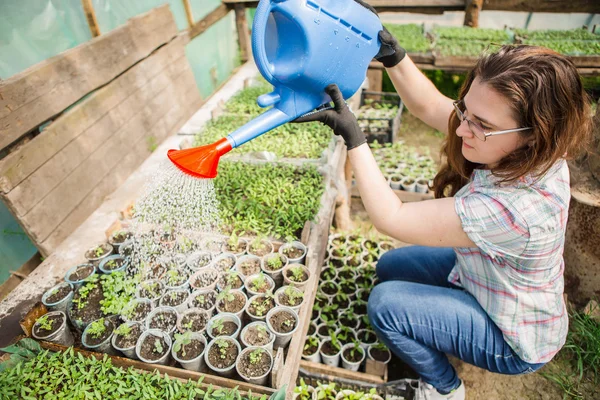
x=516, y=270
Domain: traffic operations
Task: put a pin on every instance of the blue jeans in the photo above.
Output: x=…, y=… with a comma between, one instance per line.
x=420, y=316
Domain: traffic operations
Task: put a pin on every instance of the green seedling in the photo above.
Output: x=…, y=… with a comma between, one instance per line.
x=123, y=330
x=44, y=323
x=217, y=326
x=226, y=295
x=255, y=356
x=96, y=328
x=275, y=262
x=297, y=274
x=158, y=348
x=259, y=282
x=294, y=295
x=311, y=341
x=222, y=345
x=98, y=251
x=182, y=340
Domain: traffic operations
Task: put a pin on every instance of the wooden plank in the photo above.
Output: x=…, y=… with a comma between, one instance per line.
x=184, y=106
x=70, y=140
x=51, y=211
x=472, y=13
x=212, y=18
x=375, y=77
x=340, y=372
x=188, y=13
x=47, y=88
x=90, y=15
x=242, y=30
x=172, y=372
x=110, y=158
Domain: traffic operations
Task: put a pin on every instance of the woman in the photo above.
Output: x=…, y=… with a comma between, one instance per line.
x=485, y=282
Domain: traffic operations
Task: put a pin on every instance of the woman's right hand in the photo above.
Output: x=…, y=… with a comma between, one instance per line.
x=390, y=53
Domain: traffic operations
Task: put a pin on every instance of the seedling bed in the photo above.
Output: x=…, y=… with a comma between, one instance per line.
x=384, y=128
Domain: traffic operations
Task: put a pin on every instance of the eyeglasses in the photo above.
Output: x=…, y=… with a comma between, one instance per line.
x=479, y=131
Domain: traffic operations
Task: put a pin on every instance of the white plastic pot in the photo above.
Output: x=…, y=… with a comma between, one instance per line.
x=257, y=380
x=407, y=185
x=249, y=287
x=225, y=317
x=166, y=358
x=240, y=313
x=155, y=311
x=130, y=351
x=197, y=363
x=192, y=260
x=333, y=360
x=154, y=300
x=181, y=307
x=395, y=182
x=281, y=291
x=316, y=357
x=198, y=311
x=422, y=185
x=224, y=372
x=242, y=259
x=103, y=347
x=276, y=275
x=288, y=281
x=61, y=336
x=123, y=266
x=225, y=256
x=77, y=284
x=196, y=293
x=282, y=339
x=295, y=244
x=351, y=366
x=268, y=346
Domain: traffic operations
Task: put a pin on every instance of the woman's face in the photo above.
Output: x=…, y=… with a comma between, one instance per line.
x=492, y=111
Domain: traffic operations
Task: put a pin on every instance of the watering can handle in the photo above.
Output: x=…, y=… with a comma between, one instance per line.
x=259, y=29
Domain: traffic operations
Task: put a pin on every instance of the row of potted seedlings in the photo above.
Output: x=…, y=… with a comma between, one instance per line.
x=331, y=391
x=404, y=168
x=346, y=339
x=210, y=309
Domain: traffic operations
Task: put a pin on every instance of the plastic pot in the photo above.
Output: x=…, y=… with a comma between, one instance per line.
x=409, y=184
x=333, y=360
x=166, y=309
x=323, y=337
x=297, y=245
x=281, y=291
x=225, y=317
x=136, y=301
x=255, y=318
x=395, y=182
x=156, y=298
x=268, y=346
x=130, y=351
x=115, y=257
x=183, y=285
x=78, y=283
x=92, y=259
x=61, y=336
x=199, y=311
x=240, y=313
x=196, y=293
x=60, y=305
x=278, y=274
x=288, y=281
x=248, y=286
x=105, y=346
x=181, y=307
x=282, y=339
x=349, y=365
x=194, y=258
x=225, y=256
x=220, y=288
x=364, y=345
x=197, y=363
x=209, y=273
x=224, y=372
x=166, y=358
x=316, y=357
x=342, y=394
x=245, y=258
x=244, y=242
x=371, y=357
x=422, y=185
x=257, y=380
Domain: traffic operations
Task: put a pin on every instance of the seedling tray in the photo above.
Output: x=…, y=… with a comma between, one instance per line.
x=391, y=126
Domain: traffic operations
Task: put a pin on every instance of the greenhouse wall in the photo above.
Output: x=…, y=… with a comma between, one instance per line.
x=32, y=31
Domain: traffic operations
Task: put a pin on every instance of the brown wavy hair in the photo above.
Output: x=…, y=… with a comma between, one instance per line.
x=545, y=92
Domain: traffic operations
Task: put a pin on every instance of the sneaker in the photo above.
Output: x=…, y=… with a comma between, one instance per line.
x=427, y=392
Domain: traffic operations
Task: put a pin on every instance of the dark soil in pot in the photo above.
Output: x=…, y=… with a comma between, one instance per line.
x=353, y=356
x=128, y=341
x=350, y=336
x=346, y=274
x=256, y=337
x=236, y=249
x=198, y=321
x=328, y=349
x=324, y=330
x=327, y=274
x=286, y=300
x=120, y=237
x=205, y=301
x=150, y=350
x=367, y=337
x=260, y=306
x=175, y=277
x=362, y=280
x=329, y=316
x=261, y=250
x=228, y=328
x=348, y=288
x=302, y=278
x=150, y=291
x=141, y=311
x=165, y=321
x=315, y=314
x=340, y=302
x=321, y=301
x=81, y=273
x=108, y=330
x=271, y=264
x=329, y=289
x=363, y=296
x=173, y=299
x=223, y=356
x=337, y=264
x=156, y=272
x=360, y=308
x=234, y=306
x=60, y=294
x=90, y=311
x=206, y=279
x=191, y=350
x=311, y=330
x=310, y=350
x=260, y=368
x=55, y=320
x=232, y=280
x=354, y=261
x=283, y=322
x=349, y=322
x=370, y=245
x=250, y=267
x=113, y=264
x=292, y=252
x=380, y=355
x=202, y=261
x=225, y=263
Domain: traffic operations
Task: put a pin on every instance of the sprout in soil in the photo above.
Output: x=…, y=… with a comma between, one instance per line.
x=158, y=346
x=182, y=340
x=294, y=295
x=223, y=345
x=259, y=243
x=356, y=348
x=123, y=330
x=297, y=274
x=173, y=277
x=97, y=328
x=334, y=339
x=275, y=263
x=302, y=390
x=226, y=295
x=311, y=341
x=255, y=356
x=262, y=331
x=98, y=251
x=44, y=323
x=188, y=326
x=233, y=240
x=259, y=282
x=217, y=326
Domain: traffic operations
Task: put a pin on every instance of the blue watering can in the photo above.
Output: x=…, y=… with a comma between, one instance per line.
x=300, y=47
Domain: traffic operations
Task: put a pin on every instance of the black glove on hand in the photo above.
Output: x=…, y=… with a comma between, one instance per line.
x=340, y=119
x=390, y=53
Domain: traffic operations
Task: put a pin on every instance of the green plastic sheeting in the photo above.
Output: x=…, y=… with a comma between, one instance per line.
x=214, y=55
x=15, y=246
x=34, y=30
x=114, y=13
